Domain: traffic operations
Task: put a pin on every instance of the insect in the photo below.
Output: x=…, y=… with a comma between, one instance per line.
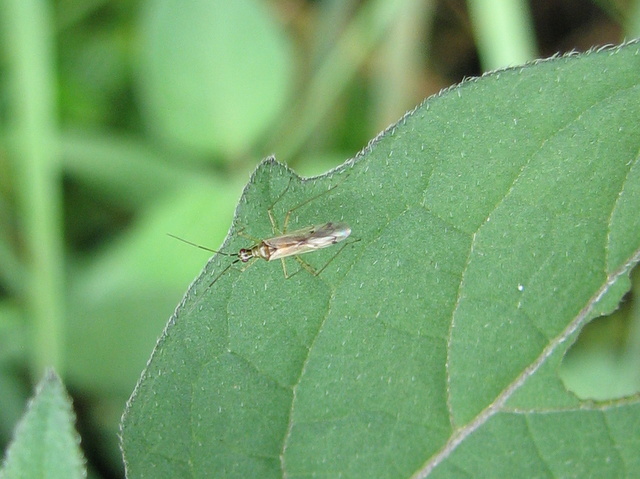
x=288, y=244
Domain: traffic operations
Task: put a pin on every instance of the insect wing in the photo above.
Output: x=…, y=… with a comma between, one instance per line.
x=307, y=239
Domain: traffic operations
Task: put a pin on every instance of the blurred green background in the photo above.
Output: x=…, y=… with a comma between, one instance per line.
x=124, y=120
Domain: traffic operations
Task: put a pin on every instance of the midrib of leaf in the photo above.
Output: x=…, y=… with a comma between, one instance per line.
x=604, y=100
x=294, y=389
x=497, y=405
x=615, y=205
x=580, y=319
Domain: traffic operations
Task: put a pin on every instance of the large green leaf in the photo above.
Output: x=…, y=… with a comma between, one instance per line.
x=212, y=75
x=494, y=221
x=45, y=446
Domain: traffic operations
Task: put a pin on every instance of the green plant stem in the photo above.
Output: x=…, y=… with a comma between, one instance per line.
x=340, y=65
x=399, y=64
x=503, y=31
x=29, y=41
x=632, y=23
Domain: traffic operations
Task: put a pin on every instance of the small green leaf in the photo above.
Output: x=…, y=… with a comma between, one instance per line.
x=45, y=444
x=493, y=222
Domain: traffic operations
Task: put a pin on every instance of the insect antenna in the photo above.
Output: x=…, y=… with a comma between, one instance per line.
x=203, y=247
x=232, y=255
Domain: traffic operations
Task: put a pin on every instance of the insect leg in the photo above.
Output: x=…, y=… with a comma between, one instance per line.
x=306, y=266
x=285, y=223
x=333, y=257
x=232, y=265
x=274, y=223
x=249, y=237
x=284, y=269
x=222, y=272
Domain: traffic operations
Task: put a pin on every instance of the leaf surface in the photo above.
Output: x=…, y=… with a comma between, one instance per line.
x=493, y=222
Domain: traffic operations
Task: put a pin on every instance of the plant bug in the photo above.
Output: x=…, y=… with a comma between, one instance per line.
x=285, y=244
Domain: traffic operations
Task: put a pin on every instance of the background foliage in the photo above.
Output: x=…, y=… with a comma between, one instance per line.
x=122, y=121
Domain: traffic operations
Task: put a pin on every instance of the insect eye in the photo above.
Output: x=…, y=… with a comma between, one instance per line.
x=244, y=255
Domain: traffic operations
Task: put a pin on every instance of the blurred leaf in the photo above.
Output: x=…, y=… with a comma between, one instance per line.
x=605, y=361
x=212, y=75
x=45, y=443
x=94, y=74
x=110, y=164
x=494, y=221
x=120, y=297
x=12, y=272
x=13, y=397
x=13, y=332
